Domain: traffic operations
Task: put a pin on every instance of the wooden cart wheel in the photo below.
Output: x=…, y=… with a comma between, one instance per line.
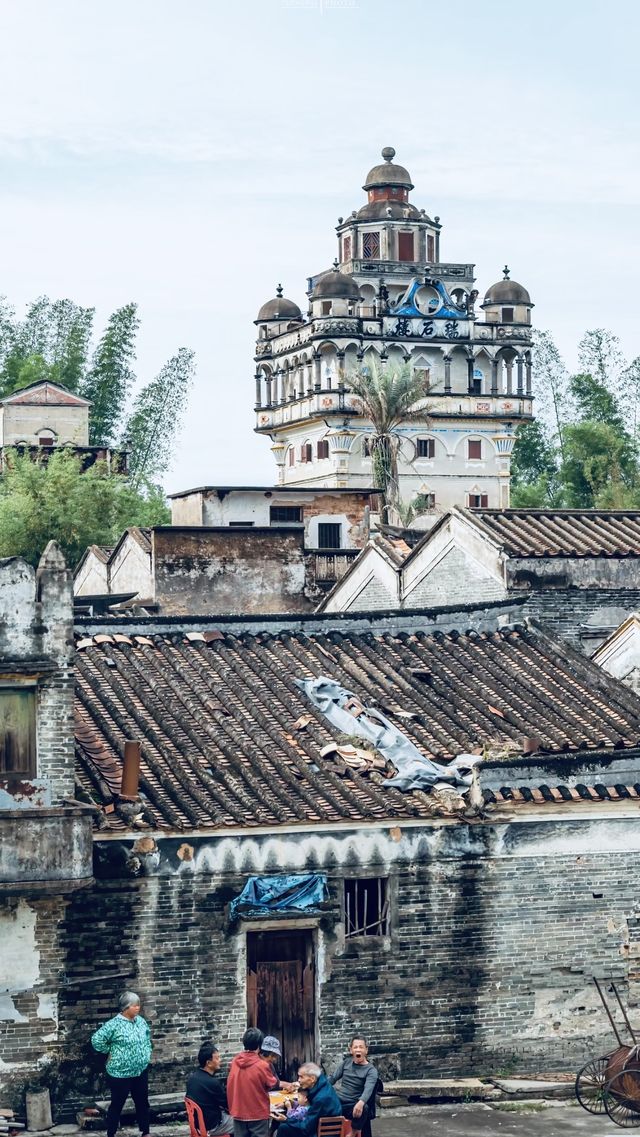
x=622, y=1098
x=590, y=1083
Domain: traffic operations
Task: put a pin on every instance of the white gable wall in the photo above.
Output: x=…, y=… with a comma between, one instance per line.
x=130, y=570
x=372, y=583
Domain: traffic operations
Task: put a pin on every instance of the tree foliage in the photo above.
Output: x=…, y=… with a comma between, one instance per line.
x=585, y=453
x=54, y=499
x=110, y=377
x=150, y=428
x=388, y=397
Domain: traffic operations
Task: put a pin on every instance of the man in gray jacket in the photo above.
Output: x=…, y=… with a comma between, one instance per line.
x=358, y=1078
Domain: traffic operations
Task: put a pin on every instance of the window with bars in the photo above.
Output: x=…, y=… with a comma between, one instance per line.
x=366, y=907
x=346, y=248
x=329, y=535
x=478, y=501
x=18, y=732
x=370, y=245
x=289, y=514
x=474, y=448
x=426, y=448
x=323, y=449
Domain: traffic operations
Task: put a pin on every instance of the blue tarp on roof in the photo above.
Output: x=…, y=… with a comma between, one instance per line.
x=263, y=895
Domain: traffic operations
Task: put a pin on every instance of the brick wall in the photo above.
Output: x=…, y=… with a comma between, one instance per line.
x=569, y=613
x=455, y=578
x=488, y=963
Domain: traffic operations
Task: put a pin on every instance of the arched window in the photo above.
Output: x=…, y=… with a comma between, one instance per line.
x=46, y=438
x=306, y=452
x=426, y=448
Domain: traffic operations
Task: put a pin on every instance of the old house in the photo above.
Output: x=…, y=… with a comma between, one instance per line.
x=233, y=549
x=578, y=570
x=45, y=834
x=46, y=415
x=267, y=850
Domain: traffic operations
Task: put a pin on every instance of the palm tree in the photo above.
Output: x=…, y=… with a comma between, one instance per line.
x=388, y=398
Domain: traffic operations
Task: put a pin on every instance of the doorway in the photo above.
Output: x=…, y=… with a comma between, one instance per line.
x=281, y=993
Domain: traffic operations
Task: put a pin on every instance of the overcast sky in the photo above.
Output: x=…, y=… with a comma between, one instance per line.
x=191, y=155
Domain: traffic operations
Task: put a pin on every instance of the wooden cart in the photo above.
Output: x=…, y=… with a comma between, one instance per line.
x=611, y=1083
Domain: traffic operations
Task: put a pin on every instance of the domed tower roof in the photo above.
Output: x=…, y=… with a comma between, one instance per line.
x=507, y=291
x=388, y=173
x=279, y=309
x=336, y=285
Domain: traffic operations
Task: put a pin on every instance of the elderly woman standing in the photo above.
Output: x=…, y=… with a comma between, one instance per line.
x=126, y=1039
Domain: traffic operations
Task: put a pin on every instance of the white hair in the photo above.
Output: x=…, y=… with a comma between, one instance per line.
x=310, y=1068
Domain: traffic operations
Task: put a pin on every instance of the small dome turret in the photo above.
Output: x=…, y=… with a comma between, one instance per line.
x=336, y=285
x=388, y=173
x=507, y=291
x=279, y=309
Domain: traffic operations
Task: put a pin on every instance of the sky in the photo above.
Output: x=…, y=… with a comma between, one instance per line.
x=190, y=156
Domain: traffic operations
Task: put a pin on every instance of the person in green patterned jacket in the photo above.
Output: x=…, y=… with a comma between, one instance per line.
x=126, y=1040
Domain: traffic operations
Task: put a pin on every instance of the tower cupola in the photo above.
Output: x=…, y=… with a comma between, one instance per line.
x=388, y=181
x=507, y=302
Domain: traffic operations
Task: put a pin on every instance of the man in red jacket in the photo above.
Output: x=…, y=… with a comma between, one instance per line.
x=251, y=1077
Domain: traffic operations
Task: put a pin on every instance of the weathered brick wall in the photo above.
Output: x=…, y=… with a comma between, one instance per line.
x=488, y=963
x=568, y=613
x=455, y=578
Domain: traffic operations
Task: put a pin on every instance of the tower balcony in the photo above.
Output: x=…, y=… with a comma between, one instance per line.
x=447, y=270
x=450, y=404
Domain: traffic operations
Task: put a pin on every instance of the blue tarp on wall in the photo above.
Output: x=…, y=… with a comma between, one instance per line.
x=262, y=895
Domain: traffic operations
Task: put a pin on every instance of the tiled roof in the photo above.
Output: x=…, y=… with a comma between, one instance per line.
x=562, y=532
x=538, y=795
x=44, y=393
x=229, y=740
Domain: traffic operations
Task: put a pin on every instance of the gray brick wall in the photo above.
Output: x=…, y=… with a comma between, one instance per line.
x=456, y=578
x=568, y=613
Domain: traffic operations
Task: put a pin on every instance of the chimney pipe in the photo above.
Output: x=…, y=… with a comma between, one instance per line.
x=130, y=769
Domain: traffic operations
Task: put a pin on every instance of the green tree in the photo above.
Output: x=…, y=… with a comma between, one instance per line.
x=534, y=467
x=388, y=397
x=600, y=465
x=111, y=375
x=594, y=401
x=54, y=499
x=553, y=401
x=55, y=334
x=156, y=416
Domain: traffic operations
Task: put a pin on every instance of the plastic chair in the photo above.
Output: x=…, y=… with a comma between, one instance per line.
x=333, y=1126
x=195, y=1117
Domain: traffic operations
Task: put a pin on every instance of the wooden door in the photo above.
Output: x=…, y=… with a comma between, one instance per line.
x=281, y=993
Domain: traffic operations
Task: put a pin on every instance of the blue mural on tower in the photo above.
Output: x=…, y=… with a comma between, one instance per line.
x=436, y=303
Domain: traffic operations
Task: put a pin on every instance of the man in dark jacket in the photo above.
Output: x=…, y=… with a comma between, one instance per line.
x=358, y=1079
x=323, y=1102
x=207, y=1091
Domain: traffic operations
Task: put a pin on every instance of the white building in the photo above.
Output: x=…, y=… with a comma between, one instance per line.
x=391, y=298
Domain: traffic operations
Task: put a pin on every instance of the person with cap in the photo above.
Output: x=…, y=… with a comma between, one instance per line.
x=207, y=1091
x=126, y=1040
x=251, y=1078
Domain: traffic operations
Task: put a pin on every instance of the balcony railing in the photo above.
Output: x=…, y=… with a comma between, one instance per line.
x=45, y=849
x=332, y=564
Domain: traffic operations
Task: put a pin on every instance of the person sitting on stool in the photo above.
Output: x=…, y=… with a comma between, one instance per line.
x=208, y=1092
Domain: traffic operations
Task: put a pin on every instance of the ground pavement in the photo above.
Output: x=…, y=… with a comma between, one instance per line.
x=479, y=1120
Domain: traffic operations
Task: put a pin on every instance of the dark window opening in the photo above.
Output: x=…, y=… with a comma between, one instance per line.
x=475, y=387
x=46, y=440
x=431, y=248
x=478, y=501
x=366, y=447
x=366, y=907
x=405, y=247
x=18, y=732
x=429, y=500
x=285, y=513
x=474, y=448
x=370, y=245
x=326, y=307
x=329, y=535
x=241, y=524
x=507, y=315
x=323, y=449
x=426, y=448
x=346, y=248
